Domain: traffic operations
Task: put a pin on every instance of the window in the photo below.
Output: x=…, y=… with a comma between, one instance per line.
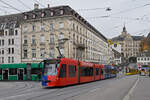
x=9, y=42
x=102, y=71
x=11, y=32
x=6, y=33
x=51, y=52
x=86, y=71
x=33, y=16
x=51, y=38
x=3, y=42
x=16, y=32
x=25, y=54
x=12, y=59
x=33, y=27
x=9, y=50
x=62, y=73
x=61, y=11
x=51, y=26
x=33, y=39
x=2, y=59
x=25, y=16
x=25, y=39
x=25, y=29
x=42, y=52
x=72, y=71
x=42, y=26
x=8, y=59
x=33, y=53
x=61, y=25
x=12, y=41
x=12, y=50
x=61, y=36
x=43, y=14
x=97, y=71
x=2, y=51
x=12, y=71
x=52, y=13
x=42, y=38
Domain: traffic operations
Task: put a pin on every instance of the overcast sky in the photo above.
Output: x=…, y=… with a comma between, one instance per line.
x=134, y=14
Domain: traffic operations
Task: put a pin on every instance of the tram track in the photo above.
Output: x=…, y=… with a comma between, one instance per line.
x=74, y=91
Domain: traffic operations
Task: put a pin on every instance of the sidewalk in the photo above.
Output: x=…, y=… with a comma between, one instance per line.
x=142, y=89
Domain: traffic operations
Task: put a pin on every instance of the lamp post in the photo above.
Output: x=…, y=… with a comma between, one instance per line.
x=60, y=42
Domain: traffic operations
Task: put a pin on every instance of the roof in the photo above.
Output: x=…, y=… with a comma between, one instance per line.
x=10, y=20
x=67, y=10
x=118, y=38
x=137, y=38
x=122, y=38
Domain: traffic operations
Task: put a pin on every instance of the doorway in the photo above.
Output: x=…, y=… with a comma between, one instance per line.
x=5, y=74
x=20, y=74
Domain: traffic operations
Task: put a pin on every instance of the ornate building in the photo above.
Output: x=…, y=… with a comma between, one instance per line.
x=42, y=30
x=130, y=45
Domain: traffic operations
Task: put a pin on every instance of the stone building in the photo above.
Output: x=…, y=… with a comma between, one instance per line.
x=10, y=39
x=130, y=45
x=43, y=29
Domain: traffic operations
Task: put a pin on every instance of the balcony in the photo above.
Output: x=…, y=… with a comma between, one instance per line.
x=42, y=43
x=33, y=44
x=80, y=46
x=25, y=44
x=51, y=43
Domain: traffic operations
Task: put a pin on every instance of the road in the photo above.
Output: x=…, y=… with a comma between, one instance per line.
x=110, y=89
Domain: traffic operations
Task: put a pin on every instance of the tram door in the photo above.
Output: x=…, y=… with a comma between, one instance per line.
x=5, y=74
x=20, y=74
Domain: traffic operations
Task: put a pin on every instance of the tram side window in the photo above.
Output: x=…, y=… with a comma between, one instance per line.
x=35, y=70
x=0, y=71
x=62, y=73
x=86, y=71
x=97, y=71
x=72, y=71
x=12, y=71
x=102, y=71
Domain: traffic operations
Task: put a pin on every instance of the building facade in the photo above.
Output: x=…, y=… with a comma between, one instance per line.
x=10, y=39
x=44, y=29
x=130, y=45
x=116, y=47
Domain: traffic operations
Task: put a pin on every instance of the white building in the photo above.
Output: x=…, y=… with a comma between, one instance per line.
x=10, y=42
x=143, y=60
x=117, y=53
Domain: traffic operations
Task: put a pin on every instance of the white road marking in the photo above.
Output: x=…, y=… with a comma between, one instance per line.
x=127, y=97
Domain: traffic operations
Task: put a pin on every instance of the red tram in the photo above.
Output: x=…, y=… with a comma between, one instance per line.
x=65, y=71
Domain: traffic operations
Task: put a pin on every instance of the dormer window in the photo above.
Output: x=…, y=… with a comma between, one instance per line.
x=52, y=13
x=25, y=16
x=33, y=16
x=61, y=11
x=42, y=14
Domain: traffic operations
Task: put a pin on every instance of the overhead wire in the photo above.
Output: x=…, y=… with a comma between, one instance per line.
x=24, y=4
x=10, y=6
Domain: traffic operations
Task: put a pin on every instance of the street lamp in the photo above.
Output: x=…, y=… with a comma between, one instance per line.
x=60, y=42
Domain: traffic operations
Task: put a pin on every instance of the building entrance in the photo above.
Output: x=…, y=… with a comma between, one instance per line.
x=5, y=74
x=20, y=74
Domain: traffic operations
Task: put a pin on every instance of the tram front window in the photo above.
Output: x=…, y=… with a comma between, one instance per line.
x=51, y=69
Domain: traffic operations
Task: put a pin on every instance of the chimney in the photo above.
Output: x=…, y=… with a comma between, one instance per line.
x=48, y=5
x=36, y=6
